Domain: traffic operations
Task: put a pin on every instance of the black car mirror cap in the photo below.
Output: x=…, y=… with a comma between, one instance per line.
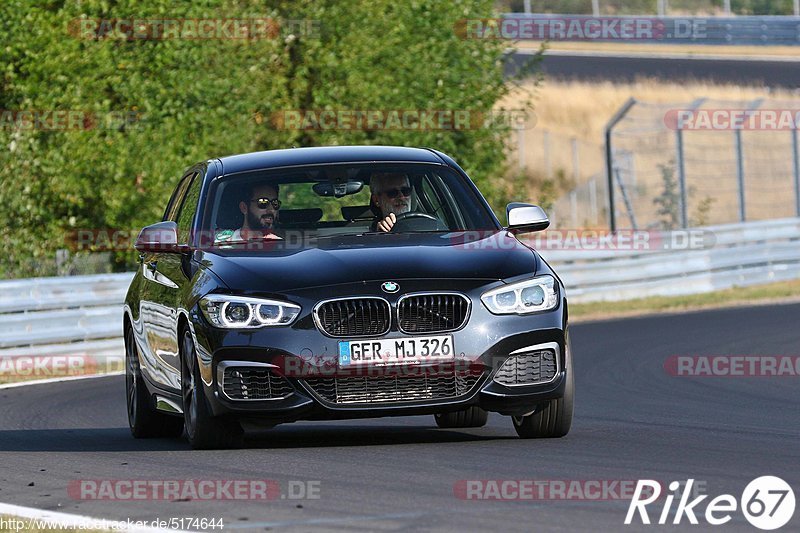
x=160, y=237
x=526, y=218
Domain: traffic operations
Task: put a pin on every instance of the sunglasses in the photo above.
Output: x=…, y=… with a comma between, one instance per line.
x=264, y=202
x=394, y=193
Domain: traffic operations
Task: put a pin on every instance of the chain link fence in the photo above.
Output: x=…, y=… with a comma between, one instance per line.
x=676, y=165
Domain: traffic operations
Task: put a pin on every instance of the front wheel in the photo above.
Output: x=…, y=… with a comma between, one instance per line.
x=143, y=419
x=203, y=430
x=555, y=419
x=472, y=417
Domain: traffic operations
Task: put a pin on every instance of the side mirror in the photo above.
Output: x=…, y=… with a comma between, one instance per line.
x=161, y=237
x=526, y=217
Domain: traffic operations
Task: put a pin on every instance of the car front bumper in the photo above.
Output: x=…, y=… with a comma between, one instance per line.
x=482, y=345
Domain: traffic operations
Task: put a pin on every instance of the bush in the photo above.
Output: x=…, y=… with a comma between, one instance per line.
x=189, y=100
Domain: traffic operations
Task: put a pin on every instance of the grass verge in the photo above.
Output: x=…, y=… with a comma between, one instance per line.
x=34, y=368
x=781, y=292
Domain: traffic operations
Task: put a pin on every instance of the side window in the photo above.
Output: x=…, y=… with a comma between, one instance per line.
x=435, y=195
x=177, y=196
x=188, y=208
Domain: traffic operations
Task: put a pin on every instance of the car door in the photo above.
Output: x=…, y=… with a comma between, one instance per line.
x=165, y=275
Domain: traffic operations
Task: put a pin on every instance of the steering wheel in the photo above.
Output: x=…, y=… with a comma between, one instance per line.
x=411, y=215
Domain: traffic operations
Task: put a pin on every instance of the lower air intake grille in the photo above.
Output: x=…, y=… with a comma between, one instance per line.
x=528, y=368
x=354, y=317
x=394, y=389
x=243, y=383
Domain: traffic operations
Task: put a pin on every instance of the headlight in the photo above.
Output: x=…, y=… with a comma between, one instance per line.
x=234, y=312
x=530, y=296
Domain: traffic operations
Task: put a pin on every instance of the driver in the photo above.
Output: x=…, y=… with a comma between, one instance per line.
x=391, y=196
x=259, y=206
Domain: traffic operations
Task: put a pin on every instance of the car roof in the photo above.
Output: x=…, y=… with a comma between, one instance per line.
x=326, y=154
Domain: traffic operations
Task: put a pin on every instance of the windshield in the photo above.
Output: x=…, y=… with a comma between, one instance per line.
x=319, y=201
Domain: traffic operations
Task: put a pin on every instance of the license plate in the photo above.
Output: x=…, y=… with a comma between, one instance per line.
x=407, y=350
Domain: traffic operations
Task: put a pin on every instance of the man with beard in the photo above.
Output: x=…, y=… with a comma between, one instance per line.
x=259, y=205
x=391, y=196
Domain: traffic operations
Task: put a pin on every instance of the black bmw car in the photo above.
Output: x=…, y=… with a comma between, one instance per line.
x=341, y=282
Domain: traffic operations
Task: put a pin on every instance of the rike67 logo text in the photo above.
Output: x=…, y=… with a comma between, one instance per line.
x=767, y=503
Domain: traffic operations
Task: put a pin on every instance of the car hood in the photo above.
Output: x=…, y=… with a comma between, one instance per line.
x=281, y=266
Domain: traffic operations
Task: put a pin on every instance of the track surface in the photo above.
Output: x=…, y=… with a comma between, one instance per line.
x=632, y=421
x=624, y=69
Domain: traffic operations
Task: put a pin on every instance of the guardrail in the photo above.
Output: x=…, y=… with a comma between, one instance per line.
x=83, y=314
x=746, y=254
x=80, y=315
x=742, y=30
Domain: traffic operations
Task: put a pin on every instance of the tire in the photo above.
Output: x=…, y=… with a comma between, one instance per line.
x=555, y=419
x=472, y=417
x=203, y=430
x=144, y=421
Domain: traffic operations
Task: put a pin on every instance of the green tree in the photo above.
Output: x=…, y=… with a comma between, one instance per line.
x=196, y=99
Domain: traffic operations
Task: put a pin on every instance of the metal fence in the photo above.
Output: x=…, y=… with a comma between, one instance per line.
x=668, y=171
x=702, y=162
x=82, y=315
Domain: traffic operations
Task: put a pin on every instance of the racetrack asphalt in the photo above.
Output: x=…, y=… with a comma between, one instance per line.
x=624, y=69
x=632, y=421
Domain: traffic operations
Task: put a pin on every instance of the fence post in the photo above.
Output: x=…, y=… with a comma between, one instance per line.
x=681, y=177
x=740, y=164
x=681, y=163
x=527, y=6
x=573, y=207
x=619, y=115
x=662, y=9
x=576, y=163
x=740, y=176
x=596, y=8
x=593, y=200
x=727, y=8
x=548, y=164
x=626, y=199
x=797, y=8
x=796, y=168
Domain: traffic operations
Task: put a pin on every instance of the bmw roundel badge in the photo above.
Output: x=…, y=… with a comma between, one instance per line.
x=390, y=286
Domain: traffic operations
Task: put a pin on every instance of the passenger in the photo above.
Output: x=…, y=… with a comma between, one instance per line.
x=391, y=196
x=259, y=206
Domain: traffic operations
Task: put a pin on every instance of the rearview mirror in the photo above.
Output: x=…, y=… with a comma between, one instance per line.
x=338, y=190
x=526, y=217
x=161, y=237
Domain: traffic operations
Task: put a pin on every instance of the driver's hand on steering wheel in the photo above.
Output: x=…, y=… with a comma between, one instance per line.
x=387, y=223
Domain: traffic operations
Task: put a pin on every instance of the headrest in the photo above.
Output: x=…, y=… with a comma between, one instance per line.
x=300, y=216
x=357, y=212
